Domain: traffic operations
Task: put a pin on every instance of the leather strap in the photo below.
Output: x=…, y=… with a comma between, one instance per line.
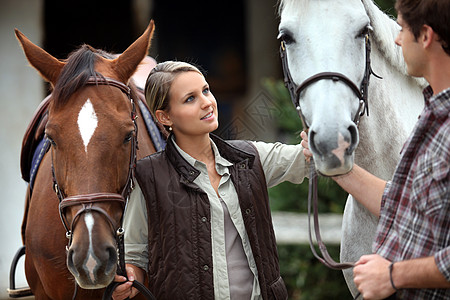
x=326, y=259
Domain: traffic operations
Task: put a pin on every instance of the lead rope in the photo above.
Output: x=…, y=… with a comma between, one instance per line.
x=326, y=258
x=107, y=295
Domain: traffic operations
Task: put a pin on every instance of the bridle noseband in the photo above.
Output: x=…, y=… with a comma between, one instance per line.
x=87, y=200
x=361, y=92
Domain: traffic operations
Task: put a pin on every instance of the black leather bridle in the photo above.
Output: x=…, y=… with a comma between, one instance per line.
x=361, y=92
x=87, y=200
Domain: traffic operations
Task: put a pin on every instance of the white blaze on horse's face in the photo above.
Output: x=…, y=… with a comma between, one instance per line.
x=91, y=262
x=87, y=122
x=327, y=36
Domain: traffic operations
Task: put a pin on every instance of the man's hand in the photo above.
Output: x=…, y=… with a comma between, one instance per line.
x=371, y=276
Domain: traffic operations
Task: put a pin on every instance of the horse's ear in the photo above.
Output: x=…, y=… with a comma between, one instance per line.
x=126, y=64
x=48, y=66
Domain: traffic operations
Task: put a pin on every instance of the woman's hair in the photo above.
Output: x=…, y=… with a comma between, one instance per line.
x=160, y=80
x=434, y=13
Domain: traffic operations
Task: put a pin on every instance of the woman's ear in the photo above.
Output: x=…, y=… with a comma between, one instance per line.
x=163, y=117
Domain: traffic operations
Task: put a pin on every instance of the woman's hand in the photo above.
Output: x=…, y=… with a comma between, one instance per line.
x=306, y=152
x=126, y=290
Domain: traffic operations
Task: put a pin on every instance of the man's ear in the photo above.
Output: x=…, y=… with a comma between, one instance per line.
x=163, y=117
x=427, y=35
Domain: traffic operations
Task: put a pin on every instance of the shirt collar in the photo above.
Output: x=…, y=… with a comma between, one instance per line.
x=192, y=161
x=439, y=104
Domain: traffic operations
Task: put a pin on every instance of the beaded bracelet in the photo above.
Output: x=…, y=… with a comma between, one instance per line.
x=391, y=267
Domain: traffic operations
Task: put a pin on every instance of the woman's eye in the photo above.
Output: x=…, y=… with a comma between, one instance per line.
x=190, y=99
x=206, y=91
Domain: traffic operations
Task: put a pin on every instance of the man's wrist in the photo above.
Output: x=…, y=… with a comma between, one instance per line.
x=391, y=270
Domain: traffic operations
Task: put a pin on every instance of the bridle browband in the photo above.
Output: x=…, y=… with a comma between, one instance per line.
x=361, y=92
x=295, y=93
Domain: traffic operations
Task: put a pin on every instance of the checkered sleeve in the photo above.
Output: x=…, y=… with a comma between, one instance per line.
x=385, y=193
x=442, y=259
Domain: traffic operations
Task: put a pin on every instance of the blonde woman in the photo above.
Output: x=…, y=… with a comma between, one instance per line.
x=198, y=224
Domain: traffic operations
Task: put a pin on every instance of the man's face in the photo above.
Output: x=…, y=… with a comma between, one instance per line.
x=412, y=49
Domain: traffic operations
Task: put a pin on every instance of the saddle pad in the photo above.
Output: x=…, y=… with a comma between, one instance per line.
x=39, y=153
x=33, y=136
x=157, y=134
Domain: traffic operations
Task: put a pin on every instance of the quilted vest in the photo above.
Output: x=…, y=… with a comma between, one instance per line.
x=179, y=229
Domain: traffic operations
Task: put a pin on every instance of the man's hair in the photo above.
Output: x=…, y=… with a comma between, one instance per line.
x=434, y=13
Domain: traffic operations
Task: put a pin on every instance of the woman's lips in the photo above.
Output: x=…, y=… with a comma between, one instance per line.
x=208, y=116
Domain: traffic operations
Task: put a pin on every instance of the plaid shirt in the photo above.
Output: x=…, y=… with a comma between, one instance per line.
x=415, y=209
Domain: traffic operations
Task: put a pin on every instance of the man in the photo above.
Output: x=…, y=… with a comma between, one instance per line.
x=412, y=246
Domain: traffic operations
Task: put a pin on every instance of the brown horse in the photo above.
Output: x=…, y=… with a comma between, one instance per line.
x=92, y=129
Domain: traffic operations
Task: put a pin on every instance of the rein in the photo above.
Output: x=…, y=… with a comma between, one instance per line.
x=87, y=200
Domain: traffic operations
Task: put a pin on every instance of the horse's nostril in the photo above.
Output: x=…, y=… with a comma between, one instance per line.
x=354, y=139
x=311, y=142
x=71, y=263
x=70, y=257
x=112, y=260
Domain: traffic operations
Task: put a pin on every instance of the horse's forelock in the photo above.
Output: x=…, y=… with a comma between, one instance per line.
x=292, y=5
x=80, y=65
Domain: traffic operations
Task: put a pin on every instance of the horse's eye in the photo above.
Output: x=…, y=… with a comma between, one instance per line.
x=52, y=142
x=128, y=137
x=364, y=31
x=286, y=38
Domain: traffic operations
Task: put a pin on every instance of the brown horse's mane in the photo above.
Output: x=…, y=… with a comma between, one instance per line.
x=80, y=66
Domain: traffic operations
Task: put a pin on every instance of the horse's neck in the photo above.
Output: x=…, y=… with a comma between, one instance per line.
x=395, y=102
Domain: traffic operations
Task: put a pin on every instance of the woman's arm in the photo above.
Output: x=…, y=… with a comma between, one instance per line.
x=282, y=162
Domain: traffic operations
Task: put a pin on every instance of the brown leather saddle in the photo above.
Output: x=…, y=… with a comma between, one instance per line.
x=33, y=136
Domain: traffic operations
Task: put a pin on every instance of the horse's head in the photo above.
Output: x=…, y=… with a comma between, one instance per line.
x=323, y=37
x=91, y=127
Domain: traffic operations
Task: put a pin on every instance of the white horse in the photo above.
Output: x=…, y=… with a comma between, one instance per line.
x=329, y=36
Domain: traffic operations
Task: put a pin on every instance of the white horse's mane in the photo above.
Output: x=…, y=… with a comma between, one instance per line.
x=385, y=30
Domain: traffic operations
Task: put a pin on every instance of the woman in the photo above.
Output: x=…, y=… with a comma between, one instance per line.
x=198, y=223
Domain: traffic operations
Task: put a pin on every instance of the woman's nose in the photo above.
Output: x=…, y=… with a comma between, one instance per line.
x=206, y=102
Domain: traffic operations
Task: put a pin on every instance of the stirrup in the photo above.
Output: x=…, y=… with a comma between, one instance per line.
x=14, y=292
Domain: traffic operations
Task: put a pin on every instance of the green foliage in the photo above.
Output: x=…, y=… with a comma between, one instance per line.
x=387, y=6
x=306, y=278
